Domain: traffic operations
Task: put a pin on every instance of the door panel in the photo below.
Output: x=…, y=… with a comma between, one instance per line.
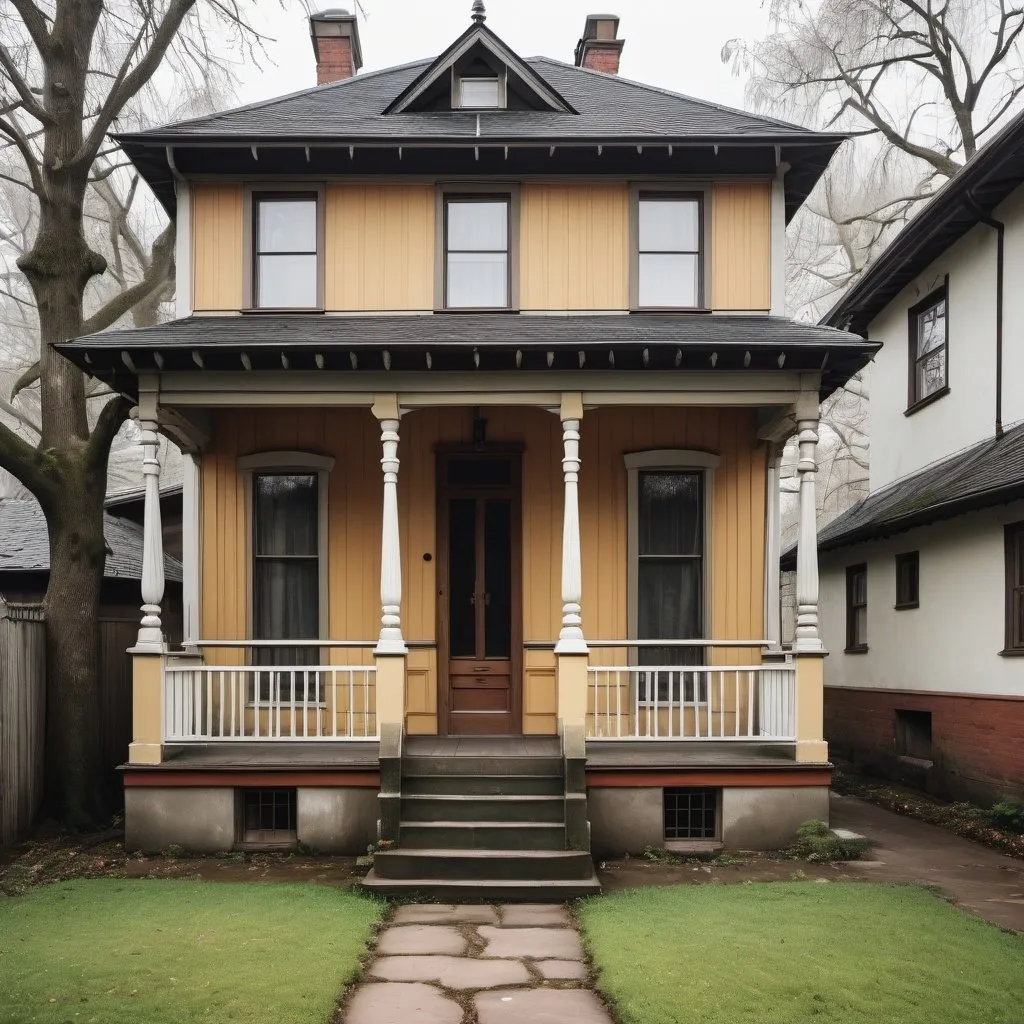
x=479, y=601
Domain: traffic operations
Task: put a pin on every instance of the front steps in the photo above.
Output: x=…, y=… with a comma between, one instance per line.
x=483, y=827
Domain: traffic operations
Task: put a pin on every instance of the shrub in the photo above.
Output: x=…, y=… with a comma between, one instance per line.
x=815, y=841
x=1008, y=814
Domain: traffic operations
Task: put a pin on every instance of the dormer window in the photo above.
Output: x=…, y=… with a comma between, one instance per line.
x=480, y=93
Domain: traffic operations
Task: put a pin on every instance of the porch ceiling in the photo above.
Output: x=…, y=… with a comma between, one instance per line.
x=484, y=342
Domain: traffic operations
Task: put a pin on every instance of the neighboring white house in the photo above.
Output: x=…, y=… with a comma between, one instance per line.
x=922, y=582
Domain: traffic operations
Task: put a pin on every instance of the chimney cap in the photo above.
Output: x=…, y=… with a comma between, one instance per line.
x=600, y=46
x=334, y=22
x=593, y=29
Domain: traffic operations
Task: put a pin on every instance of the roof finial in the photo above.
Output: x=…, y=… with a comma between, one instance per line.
x=478, y=12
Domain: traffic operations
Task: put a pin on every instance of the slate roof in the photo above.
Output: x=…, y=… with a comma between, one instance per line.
x=25, y=547
x=608, y=107
x=479, y=342
x=982, y=183
x=988, y=473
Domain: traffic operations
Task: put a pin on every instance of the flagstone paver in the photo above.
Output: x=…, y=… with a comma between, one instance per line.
x=442, y=964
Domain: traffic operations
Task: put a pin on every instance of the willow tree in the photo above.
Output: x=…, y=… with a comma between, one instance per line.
x=70, y=70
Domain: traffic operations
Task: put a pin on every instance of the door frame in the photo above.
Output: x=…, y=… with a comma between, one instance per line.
x=446, y=453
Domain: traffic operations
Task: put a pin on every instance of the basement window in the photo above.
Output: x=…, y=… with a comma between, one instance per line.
x=914, y=734
x=267, y=817
x=690, y=813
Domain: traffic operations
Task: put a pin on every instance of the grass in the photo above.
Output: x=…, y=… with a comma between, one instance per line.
x=113, y=951
x=789, y=953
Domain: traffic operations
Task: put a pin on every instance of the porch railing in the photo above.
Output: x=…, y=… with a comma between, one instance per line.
x=217, y=703
x=708, y=701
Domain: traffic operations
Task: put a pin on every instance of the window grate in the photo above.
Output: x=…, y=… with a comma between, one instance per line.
x=268, y=816
x=691, y=813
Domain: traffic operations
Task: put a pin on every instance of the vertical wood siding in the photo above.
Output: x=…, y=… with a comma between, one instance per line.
x=736, y=556
x=379, y=247
x=741, y=245
x=22, y=702
x=574, y=244
x=217, y=270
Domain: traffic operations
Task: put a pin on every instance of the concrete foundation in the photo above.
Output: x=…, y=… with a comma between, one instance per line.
x=625, y=820
x=199, y=819
x=337, y=820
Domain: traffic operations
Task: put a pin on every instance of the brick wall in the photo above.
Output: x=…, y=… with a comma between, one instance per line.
x=977, y=743
x=335, y=63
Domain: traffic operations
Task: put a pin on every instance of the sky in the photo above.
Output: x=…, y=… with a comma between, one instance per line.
x=675, y=44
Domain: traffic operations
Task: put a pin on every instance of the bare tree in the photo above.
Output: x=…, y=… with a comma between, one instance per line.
x=70, y=70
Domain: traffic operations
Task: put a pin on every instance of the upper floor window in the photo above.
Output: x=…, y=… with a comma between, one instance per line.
x=929, y=349
x=856, y=608
x=668, y=262
x=480, y=93
x=285, y=256
x=908, y=580
x=1014, y=589
x=476, y=251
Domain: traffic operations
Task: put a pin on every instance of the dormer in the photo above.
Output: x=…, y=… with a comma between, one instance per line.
x=478, y=72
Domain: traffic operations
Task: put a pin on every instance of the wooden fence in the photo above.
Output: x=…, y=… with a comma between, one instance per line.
x=22, y=716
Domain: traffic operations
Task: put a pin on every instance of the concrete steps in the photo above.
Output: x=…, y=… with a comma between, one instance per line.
x=481, y=827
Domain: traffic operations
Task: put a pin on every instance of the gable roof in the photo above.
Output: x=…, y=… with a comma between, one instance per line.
x=990, y=472
x=25, y=545
x=478, y=35
x=972, y=193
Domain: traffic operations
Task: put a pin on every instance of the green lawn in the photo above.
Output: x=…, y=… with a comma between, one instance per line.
x=110, y=951
x=788, y=953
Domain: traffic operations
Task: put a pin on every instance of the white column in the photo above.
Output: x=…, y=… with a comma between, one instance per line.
x=390, y=641
x=773, y=551
x=190, y=547
x=151, y=636
x=570, y=638
x=807, y=638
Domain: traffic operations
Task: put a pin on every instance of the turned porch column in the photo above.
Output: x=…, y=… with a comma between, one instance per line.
x=390, y=641
x=773, y=552
x=807, y=636
x=570, y=638
x=151, y=636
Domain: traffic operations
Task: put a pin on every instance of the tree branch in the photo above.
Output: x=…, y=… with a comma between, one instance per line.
x=108, y=423
x=35, y=22
x=26, y=463
x=14, y=134
x=22, y=87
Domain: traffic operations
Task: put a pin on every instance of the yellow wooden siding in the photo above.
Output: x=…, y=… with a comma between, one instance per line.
x=741, y=245
x=735, y=573
x=379, y=247
x=574, y=246
x=217, y=270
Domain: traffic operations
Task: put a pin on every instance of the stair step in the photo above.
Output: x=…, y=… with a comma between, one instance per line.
x=499, y=890
x=485, y=785
x=517, y=764
x=455, y=865
x=481, y=835
x=480, y=807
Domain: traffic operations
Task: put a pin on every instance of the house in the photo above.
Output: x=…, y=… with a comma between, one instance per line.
x=25, y=575
x=482, y=369
x=922, y=582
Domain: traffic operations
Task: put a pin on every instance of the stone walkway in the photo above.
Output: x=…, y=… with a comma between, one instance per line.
x=517, y=964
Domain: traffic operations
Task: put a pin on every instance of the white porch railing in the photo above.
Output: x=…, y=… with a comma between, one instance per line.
x=706, y=702
x=254, y=703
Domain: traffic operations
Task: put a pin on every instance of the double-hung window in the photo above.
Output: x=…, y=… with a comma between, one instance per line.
x=929, y=349
x=908, y=580
x=1014, y=539
x=476, y=251
x=669, y=259
x=667, y=542
x=856, y=608
x=285, y=273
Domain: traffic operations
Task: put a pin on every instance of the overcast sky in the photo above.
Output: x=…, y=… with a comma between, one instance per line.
x=675, y=44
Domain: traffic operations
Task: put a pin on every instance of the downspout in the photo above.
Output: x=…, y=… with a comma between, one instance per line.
x=1000, y=230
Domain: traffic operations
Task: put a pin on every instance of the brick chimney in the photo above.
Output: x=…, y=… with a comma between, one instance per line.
x=335, y=36
x=599, y=49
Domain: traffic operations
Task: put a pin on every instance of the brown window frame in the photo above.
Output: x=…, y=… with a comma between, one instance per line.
x=1013, y=540
x=933, y=298
x=852, y=644
x=911, y=560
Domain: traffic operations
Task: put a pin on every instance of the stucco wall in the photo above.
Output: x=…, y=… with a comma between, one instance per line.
x=899, y=443
x=951, y=642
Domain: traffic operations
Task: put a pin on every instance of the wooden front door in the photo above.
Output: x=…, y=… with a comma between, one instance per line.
x=479, y=593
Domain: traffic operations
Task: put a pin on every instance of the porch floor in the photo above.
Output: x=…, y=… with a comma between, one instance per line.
x=669, y=754
x=273, y=755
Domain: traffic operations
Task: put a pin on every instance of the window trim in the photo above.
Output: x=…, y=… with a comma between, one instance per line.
x=914, y=403
x=851, y=646
x=1013, y=535
x=250, y=466
x=475, y=190
x=665, y=460
x=280, y=190
x=912, y=558
x=699, y=191
x=497, y=78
